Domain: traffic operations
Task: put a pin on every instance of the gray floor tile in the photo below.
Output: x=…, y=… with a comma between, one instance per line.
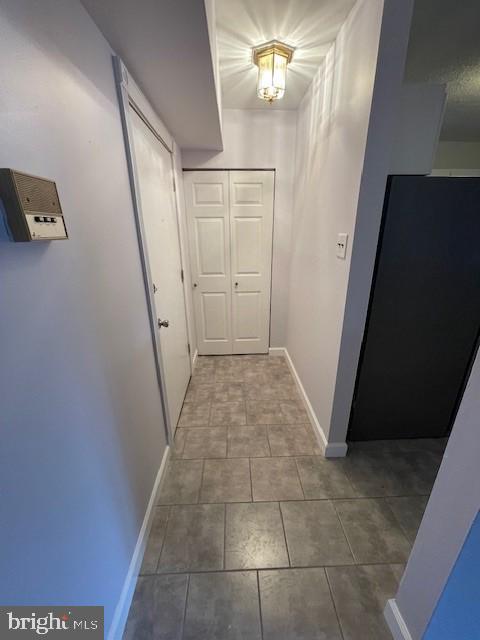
x=247, y=442
x=277, y=391
x=323, y=478
x=228, y=413
x=195, y=414
x=203, y=376
x=228, y=392
x=209, y=442
x=371, y=474
x=275, y=479
x=297, y=605
x=223, y=606
x=247, y=535
x=314, y=534
x=182, y=481
x=435, y=445
x=257, y=377
x=372, y=531
x=157, y=609
x=195, y=539
x=254, y=537
x=379, y=472
x=178, y=444
x=155, y=540
x=206, y=363
x=199, y=392
x=360, y=595
x=226, y=481
x=422, y=470
x=291, y=441
x=373, y=446
x=294, y=412
x=409, y=513
x=264, y=412
x=231, y=373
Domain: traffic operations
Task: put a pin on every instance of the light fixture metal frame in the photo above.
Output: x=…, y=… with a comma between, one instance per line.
x=272, y=46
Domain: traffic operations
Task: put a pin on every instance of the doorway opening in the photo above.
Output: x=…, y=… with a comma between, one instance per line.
x=420, y=341
x=230, y=224
x=151, y=167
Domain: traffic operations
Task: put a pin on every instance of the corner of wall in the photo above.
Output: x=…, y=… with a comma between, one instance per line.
x=390, y=62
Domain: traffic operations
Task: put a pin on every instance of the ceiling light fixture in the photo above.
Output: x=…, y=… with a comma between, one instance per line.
x=272, y=59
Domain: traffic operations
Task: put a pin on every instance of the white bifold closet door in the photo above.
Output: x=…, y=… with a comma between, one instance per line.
x=230, y=222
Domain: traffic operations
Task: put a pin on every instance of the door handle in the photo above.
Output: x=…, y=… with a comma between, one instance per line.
x=162, y=323
x=195, y=285
x=236, y=284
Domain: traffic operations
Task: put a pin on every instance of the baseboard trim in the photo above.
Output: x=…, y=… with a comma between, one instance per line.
x=121, y=611
x=395, y=621
x=194, y=360
x=329, y=449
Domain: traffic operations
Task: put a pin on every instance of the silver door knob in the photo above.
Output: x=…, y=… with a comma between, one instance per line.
x=162, y=323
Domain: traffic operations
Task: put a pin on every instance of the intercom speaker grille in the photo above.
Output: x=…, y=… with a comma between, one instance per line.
x=36, y=194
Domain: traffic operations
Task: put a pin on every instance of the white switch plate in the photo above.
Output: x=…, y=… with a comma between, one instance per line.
x=342, y=240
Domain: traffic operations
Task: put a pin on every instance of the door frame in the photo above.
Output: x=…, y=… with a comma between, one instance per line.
x=227, y=169
x=130, y=96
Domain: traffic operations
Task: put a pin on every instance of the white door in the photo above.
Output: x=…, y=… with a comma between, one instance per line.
x=153, y=163
x=230, y=215
x=251, y=228
x=207, y=203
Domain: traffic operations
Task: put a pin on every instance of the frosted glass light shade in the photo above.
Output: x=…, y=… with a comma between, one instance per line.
x=272, y=60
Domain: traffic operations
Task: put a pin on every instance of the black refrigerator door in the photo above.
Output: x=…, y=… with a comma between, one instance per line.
x=424, y=311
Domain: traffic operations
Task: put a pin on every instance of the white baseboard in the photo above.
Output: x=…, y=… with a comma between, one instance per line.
x=194, y=360
x=395, y=622
x=330, y=449
x=121, y=611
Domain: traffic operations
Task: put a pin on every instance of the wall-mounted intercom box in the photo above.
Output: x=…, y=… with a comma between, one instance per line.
x=32, y=207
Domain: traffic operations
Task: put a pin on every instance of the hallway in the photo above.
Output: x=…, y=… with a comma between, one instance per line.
x=257, y=535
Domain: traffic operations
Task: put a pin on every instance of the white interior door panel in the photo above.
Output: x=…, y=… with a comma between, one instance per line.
x=207, y=204
x=251, y=228
x=153, y=163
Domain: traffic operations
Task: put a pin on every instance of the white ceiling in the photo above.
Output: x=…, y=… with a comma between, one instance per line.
x=445, y=47
x=308, y=25
x=165, y=45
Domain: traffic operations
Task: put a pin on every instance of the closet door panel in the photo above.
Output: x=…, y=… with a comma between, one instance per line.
x=207, y=205
x=251, y=228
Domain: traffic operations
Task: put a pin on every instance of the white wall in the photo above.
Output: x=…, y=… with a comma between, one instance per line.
x=450, y=512
x=210, y=11
x=81, y=417
x=258, y=139
x=334, y=120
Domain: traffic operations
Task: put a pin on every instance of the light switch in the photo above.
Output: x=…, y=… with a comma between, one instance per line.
x=342, y=239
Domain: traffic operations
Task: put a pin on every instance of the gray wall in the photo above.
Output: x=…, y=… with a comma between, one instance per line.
x=458, y=155
x=82, y=432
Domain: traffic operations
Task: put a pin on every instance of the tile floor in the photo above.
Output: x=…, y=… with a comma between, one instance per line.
x=257, y=536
